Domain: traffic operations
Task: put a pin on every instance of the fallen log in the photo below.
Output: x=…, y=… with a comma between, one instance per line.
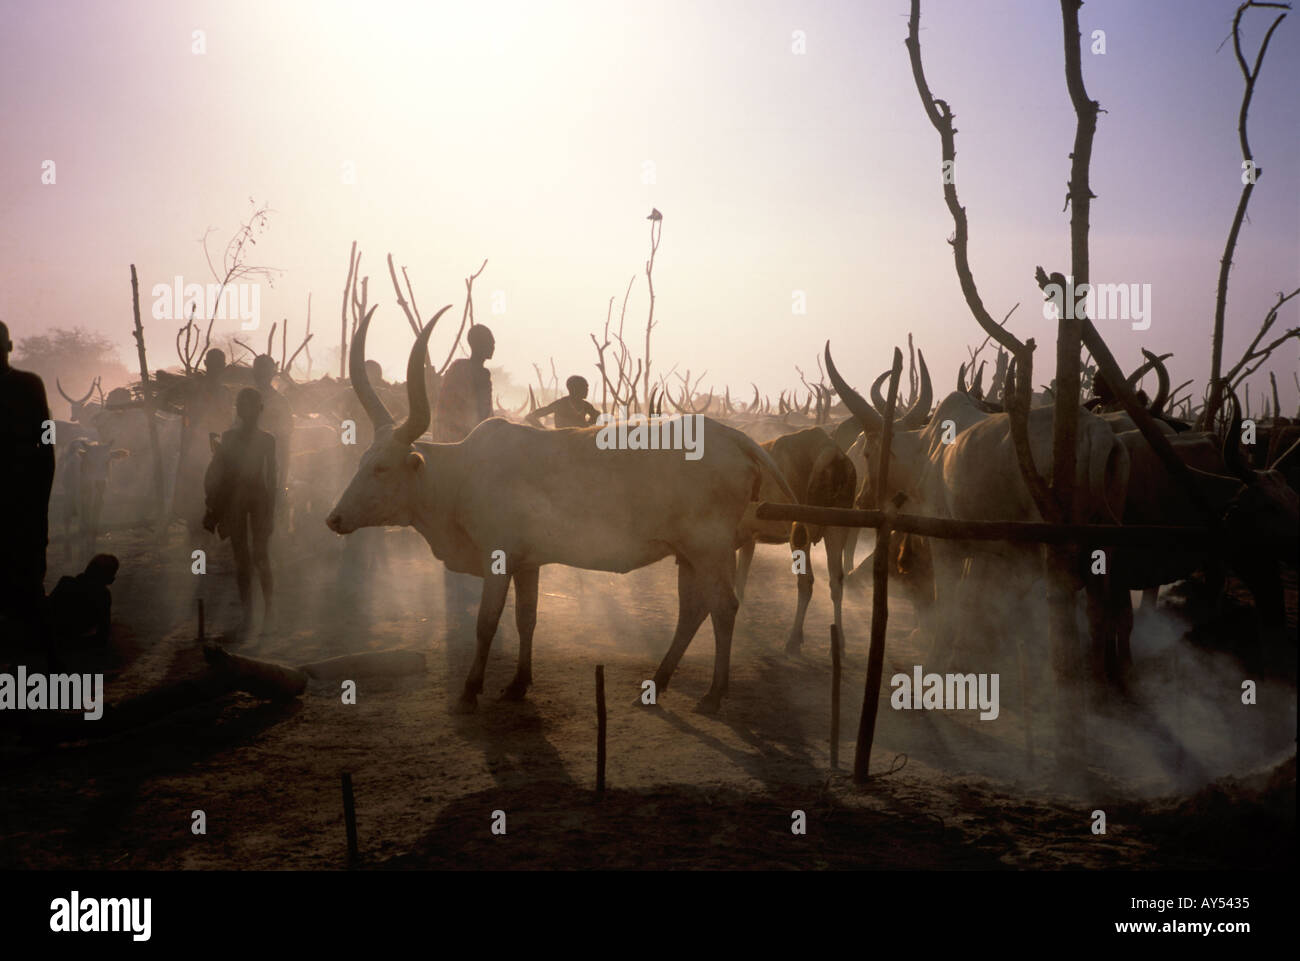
x=259, y=678
x=366, y=664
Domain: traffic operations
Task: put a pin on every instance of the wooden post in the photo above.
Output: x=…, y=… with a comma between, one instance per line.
x=201, y=632
x=880, y=589
x=350, y=820
x=146, y=391
x=600, y=728
x=835, y=698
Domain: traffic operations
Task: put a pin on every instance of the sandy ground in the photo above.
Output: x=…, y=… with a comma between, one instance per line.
x=1186, y=775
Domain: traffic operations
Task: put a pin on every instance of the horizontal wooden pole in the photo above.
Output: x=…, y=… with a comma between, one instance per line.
x=1018, y=531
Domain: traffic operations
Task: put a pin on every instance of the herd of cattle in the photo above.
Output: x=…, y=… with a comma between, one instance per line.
x=536, y=497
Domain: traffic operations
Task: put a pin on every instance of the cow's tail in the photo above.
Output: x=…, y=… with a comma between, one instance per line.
x=760, y=458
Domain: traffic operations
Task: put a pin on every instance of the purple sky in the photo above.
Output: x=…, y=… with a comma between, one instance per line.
x=520, y=132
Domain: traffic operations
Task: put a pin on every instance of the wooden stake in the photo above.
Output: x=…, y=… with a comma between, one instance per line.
x=600, y=728
x=880, y=590
x=835, y=698
x=146, y=391
x=350, y=820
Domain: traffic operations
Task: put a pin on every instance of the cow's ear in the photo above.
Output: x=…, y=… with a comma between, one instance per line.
x=415, y=460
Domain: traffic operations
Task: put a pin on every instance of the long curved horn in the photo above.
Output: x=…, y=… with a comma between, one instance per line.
x=868, y=418
x=1162, y=377
x=977, y=389
x=417, y=421
x=75, y=403
x=877, y=397
x=753, y=407
x=374, y=407
x=961, y=379
x=919, y=412
x=1231, y=444
x=707, y=404
x=1151, y=361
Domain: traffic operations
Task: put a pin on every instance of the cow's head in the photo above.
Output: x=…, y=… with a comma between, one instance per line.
x=96, y=459
x=81, y=410
x=906, y=447
x=385, y=486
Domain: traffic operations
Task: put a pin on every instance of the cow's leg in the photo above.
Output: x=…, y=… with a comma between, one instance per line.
x=720, y=598
x=1123, y=614
x=850, y=547
x=1102, y=647
x=692, y=608
x=947, y=558
x=744, y=558
x=1150, y=598
x=835, y=538
x=489, y=614
x=794, y=641
x=525, y=621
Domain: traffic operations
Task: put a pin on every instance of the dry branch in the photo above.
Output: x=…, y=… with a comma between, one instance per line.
x=1251, y=176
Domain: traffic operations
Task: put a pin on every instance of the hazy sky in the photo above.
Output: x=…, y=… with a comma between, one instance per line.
x=521, y=132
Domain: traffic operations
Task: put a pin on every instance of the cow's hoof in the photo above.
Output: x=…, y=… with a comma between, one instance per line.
x=709, y=704
x=465, y=704
x=514, y=691
x=793, y=647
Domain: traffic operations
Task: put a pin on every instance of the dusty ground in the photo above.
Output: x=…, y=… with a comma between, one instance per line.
x=1186, y=775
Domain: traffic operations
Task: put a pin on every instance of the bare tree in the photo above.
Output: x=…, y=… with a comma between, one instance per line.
x=234, y=268
x=656, y=229
x=1250, y=175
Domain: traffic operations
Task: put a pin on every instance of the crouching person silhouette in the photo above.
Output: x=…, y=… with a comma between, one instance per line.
x=83, y=605
x=240, y=488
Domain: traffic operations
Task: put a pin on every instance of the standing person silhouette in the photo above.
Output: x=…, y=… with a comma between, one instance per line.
x=277, y=415
x=207, y=411
x=569, y=411
x=464, y=402
x=465, y=399
x=241, y=485
x=26, y=477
